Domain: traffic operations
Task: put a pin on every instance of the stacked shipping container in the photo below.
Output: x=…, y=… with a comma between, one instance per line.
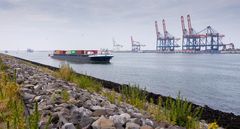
x=76, y=52
x=59, y=52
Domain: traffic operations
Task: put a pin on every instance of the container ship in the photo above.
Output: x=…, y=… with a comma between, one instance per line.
x=84, y=56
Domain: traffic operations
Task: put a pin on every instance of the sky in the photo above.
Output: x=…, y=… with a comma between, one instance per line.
x=91, y=24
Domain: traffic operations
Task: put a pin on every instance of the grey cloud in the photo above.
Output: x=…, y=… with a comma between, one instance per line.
x=64, y=21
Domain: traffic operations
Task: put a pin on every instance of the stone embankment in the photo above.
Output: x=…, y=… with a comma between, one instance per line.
x=83, y=110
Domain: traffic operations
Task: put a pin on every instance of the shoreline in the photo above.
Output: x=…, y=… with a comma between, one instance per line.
x=224, y=119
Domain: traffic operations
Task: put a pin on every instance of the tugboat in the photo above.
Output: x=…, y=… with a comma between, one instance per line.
x=83, y=56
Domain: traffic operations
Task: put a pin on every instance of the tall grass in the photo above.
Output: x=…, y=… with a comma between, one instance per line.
x=113, y=97
x=34, y=118
x=12, y=106
x=213, y=125
x=180, y=112
x=134, y=95
x=65, y=95
x=67, y=73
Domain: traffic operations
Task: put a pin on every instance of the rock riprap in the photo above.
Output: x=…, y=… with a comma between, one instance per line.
x=82, y=110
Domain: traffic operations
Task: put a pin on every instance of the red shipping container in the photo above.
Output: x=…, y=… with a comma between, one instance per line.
x=80, y=52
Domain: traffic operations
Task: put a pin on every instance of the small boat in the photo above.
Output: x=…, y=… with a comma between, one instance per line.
x=84, y=56
x=30, y=50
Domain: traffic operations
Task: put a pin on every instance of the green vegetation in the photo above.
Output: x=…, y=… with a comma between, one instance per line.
x=65, y=95
x=213, y=125
x=111, y=96
x=134, y=95
x=2, y=66
x=177, y=112
x=33, y=119
x=11, y=105
x=87, y=83
x=66, y=72
x=156, y=111
x=180, y=112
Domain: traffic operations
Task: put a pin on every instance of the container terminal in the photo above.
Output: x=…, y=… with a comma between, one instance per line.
x=208, y=40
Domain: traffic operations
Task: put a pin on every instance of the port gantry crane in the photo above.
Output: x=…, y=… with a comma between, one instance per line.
x=213, y=39
x=116, y=47
x=208, y=38
x=136, y=46
x=167, y=42
x=191, y=40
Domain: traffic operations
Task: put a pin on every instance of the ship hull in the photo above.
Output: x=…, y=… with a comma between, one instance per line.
x=84, y=58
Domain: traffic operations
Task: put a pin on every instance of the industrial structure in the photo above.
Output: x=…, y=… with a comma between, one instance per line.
x=165, y=42
x=208, y=39
x=116, y=47
x=136, y=46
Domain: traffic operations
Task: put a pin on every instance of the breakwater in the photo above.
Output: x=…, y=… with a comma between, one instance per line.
x=61, y=104
x=224, y=119
x=167, y=74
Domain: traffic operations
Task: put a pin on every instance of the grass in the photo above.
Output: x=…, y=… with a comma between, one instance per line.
x=33, y=119
x=87, y=83
x=177, y=112
x=134, y=95
x=111, y=96
x=65, y=95
x=213, y=125
x=11, y=105
x=156, y=110
x=12, y=114
x=180, y=112
x=67, y=73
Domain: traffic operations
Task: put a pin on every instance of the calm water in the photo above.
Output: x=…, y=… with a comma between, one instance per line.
x=205, y=79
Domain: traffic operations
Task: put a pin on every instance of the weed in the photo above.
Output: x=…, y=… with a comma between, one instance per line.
x=48, y=122
x=111, y=96
x=33, y=119
x=65, y=95
x=213, y=125
x=119, y=99
x=87, y=83
x=180, y=112
x=11, y=105
x=134, y=95
x=3, y=67
x=67, y=73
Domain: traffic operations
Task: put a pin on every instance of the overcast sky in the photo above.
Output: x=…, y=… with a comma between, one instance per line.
x=91, y=24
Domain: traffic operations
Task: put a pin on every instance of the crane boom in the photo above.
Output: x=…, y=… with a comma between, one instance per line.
x=190, y=29
x=164, y=28
x=157, y=31
x=183, y=26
